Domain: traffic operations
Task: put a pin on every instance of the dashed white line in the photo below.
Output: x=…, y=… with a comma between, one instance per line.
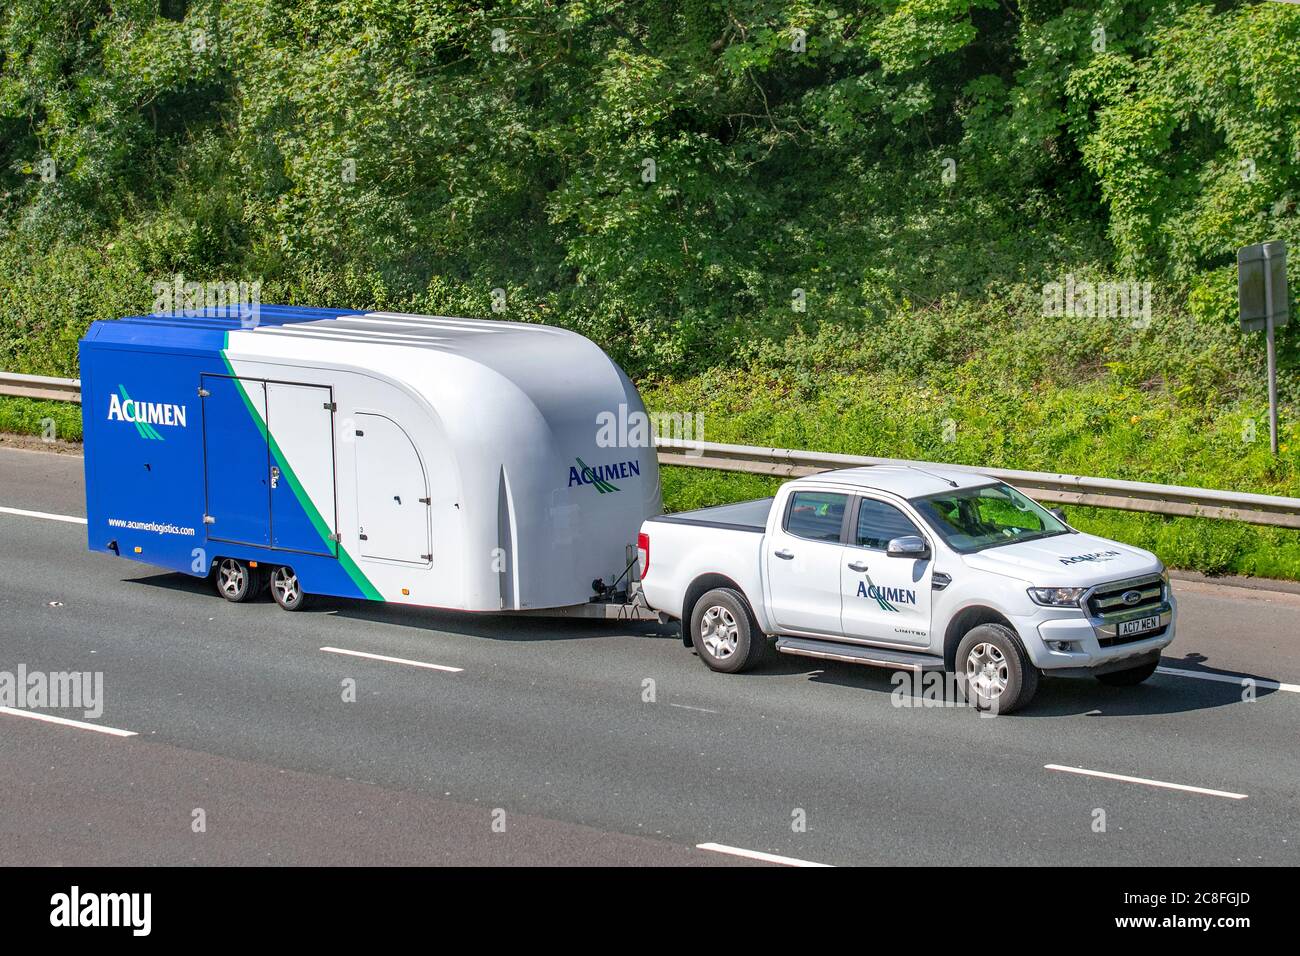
x=702, y=710
x=1147, y=783
x=71, y=519
x=393, y=660
x=65, y=722
x=1259, y=682
x=756, y=855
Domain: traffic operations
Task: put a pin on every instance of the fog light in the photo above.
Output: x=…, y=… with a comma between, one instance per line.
x=1064, y=647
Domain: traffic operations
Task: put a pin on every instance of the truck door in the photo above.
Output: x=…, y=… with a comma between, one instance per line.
x=392, y=493
x=884, y=598
x=803, y=558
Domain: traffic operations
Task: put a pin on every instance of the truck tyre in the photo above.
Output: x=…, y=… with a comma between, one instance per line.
x=993, y=670
x=725, y=633
x=1130, y=677
x=235, y=580
x=287, y=589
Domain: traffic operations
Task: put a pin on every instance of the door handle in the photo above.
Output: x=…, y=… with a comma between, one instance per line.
x=784, y=555
x=275, y=476
x=857, y=566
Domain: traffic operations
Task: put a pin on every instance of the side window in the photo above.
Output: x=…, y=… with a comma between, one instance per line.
x=879, y=523
x=816, y=515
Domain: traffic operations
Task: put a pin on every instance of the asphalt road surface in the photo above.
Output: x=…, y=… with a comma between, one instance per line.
x=542, y=741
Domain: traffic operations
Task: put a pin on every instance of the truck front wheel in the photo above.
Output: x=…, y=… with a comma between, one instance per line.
x=724, y=632
x=994, y=671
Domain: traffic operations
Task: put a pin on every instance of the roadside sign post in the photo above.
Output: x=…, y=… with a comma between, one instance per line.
x=1262, y=297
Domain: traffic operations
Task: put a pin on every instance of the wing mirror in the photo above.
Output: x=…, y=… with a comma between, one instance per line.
x=1058, y=514
x=908, y=546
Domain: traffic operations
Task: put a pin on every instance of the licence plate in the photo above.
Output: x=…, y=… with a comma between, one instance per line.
x=1139, y=625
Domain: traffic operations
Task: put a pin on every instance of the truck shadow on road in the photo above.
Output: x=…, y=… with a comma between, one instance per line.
x=1057, y=697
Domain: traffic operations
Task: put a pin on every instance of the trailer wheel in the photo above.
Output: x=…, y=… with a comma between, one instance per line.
x=287, y=590
x=993, y=670
x=235, y=580
x=724, y=632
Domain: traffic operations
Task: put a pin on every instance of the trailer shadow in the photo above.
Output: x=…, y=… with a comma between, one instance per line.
x=493, y=626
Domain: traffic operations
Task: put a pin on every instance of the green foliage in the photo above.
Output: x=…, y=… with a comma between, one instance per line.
x=856, y=203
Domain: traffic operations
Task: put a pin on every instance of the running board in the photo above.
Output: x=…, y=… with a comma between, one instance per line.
x=856, y=654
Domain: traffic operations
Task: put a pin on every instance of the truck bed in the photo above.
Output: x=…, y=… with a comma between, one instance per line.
x=741, y=516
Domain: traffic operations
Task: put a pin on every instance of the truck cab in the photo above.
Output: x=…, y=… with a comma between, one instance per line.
x=911, y=569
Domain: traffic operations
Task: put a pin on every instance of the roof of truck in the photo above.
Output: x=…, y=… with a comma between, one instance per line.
x=906, y=481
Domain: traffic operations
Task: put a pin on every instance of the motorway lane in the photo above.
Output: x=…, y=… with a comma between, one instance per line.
x=548, y=722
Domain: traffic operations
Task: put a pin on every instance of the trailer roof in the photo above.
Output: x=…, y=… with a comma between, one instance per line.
x=476, y=370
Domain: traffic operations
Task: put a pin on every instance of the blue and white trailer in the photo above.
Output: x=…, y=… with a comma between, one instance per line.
x=445, y=462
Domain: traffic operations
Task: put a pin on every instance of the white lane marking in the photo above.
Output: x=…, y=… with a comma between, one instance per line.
x=1149, y=783
x=756, y=855
x=393, y=660
x=65, y=722
x=71, y=519
x=702, y=710
x=1229, y=679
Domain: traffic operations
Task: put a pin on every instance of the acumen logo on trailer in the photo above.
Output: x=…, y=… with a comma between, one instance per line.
x=144, y=415
x=599, y=476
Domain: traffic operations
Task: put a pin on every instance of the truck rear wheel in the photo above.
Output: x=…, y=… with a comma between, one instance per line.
x=993, y=670
x=1130, y=677
x=724, y=632
x=287, y=589
x=235, y=580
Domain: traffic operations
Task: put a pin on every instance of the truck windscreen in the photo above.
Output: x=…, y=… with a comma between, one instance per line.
x=971, y=519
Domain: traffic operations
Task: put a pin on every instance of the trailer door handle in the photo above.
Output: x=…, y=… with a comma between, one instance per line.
x=857, y=566
x=275, y=476
x=784, y=555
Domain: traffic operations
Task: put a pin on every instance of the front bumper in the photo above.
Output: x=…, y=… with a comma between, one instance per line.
x=1087, y=643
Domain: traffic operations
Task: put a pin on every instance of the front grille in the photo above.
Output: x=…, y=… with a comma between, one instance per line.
x=1108, y=599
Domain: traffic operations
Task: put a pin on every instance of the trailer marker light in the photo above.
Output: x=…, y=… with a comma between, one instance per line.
x=406, y=591
x=252, y=564
x=138, y=549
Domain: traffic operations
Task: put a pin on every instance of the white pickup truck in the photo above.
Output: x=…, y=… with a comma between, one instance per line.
x=910, y=569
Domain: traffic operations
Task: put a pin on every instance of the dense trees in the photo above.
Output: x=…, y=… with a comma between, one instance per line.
x=663, y=175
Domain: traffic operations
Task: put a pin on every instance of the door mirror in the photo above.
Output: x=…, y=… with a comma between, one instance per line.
x=908, y=546
x=1058, y=514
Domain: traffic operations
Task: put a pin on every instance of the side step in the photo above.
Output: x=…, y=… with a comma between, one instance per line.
x=857, y=654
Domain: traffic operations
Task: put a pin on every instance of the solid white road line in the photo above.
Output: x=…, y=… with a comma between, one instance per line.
x=1148, y=783
x=65, y=722
x=71, y=519
x=393, y=660
x=756, y=855
x=1229, y=679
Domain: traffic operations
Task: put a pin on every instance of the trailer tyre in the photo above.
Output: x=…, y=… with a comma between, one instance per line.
x=1130, y=677
x=993, y=670
x=724, y=632
x=235, y=580
x=287, y=589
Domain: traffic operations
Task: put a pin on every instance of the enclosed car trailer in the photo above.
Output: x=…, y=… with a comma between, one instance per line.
x=423, y=460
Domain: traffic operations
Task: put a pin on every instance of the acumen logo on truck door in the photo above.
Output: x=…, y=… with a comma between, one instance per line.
x=144, y=415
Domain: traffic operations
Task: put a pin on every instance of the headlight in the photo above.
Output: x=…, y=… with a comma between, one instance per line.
x=1056, y=597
